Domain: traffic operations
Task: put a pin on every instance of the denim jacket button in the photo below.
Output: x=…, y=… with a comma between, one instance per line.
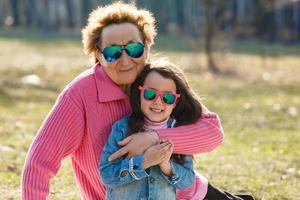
x=124, y=173
x=152, y=180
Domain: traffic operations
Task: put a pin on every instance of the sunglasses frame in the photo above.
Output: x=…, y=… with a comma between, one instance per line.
x=158, y=94
x=123, y=47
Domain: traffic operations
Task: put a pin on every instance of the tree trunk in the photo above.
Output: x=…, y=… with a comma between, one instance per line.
x=209, y=35
x=15, y=12
x=70, y=13
x=86, y=9
x=57, y=21
x=31, y=13
x=44, y=21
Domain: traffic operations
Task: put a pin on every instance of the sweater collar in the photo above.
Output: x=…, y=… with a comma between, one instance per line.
x=150, y=125
x=168, y=123
x=107, y=90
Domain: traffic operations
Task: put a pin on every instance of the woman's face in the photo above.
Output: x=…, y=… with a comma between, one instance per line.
x=124, y=70
x=156, y=110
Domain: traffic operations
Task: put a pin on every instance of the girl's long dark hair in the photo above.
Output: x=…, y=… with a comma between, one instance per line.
x=188, y=108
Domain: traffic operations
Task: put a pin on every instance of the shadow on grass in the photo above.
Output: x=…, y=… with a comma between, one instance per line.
x=251, y=46
x=253, y=89
x=40, y=36
x=5, y=98
x=234, y=85
x=227, y=73
x=11, y=94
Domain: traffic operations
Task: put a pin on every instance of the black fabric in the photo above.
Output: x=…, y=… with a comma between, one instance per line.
x=214, y=193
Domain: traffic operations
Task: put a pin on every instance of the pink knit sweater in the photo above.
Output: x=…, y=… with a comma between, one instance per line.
x=78, y=126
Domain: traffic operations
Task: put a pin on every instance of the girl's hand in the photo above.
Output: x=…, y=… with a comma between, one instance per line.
x=156, y=154
x=165, y=166
x=135, y=144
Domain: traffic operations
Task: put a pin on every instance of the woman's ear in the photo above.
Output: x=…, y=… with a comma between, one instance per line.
x=97, y=54
x=147, y=52
x=100, y=58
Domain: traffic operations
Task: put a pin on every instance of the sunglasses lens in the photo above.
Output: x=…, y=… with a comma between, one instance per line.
x=169, y=98
x=134, y=50
x=149, y=94
x=112, y=53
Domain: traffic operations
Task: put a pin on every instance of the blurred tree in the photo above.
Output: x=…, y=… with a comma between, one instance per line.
x=214, y=11
x=56, y=21
x=296, y=19
x=266, y=21
x=15, y=12
x=44, y=16
x=31, y=11
x=270, y=20
x=70, y=13
x=209, y=33
x=86, y=8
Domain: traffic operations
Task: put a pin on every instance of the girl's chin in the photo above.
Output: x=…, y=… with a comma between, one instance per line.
x=153, y=119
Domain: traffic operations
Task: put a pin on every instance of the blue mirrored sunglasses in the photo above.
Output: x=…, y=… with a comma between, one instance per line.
x=114, y=52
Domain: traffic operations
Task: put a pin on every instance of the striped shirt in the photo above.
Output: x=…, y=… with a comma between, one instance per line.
x=78, y=126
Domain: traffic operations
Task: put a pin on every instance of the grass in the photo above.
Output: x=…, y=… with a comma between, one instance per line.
x=258, y=102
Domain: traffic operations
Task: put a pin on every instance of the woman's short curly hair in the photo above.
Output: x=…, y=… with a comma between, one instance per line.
x=116, y=13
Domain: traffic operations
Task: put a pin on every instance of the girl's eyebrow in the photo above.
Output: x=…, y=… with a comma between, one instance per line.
x=159, y=90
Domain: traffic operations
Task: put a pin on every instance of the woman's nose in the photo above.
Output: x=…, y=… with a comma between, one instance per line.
x=124, y=58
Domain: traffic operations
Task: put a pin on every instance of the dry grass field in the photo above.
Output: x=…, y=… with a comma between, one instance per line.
x=257, y=98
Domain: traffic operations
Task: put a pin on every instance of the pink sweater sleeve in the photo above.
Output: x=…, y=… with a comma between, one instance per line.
x=203, y=136
x=58, y=137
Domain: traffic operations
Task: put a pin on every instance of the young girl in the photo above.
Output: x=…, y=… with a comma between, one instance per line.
x=160, y=98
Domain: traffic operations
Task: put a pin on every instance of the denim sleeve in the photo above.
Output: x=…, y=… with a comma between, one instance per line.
x=182, y=176
x=120, y=171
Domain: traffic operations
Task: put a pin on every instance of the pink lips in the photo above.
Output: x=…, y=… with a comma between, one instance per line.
x=157, y=111
x=125, y=70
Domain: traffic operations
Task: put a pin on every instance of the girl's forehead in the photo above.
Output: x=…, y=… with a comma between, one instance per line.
x=156, y=81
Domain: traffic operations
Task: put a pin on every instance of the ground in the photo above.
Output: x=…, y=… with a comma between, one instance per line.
x=256, y=97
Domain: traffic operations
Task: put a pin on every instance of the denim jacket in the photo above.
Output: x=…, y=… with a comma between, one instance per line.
x=126, y=178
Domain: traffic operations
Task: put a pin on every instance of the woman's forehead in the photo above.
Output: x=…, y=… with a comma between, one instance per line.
x=120, y=34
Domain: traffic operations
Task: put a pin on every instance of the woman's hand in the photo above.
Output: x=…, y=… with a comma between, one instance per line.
x=157, y=154
x=135, y=144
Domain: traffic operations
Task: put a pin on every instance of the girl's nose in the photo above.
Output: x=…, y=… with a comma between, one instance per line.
x=158, y=101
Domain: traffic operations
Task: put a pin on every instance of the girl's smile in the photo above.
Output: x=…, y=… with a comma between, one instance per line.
x=156, y=110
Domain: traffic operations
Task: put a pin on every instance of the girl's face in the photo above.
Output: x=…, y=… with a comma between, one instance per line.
x=157, y=110
x=125, y=69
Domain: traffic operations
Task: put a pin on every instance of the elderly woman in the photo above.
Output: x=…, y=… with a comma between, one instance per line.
x=118, y=38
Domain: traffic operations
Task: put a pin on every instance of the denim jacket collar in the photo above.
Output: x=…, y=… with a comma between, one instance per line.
x=171, y=122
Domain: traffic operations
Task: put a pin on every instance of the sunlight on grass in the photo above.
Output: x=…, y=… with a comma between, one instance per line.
x=257, y=100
